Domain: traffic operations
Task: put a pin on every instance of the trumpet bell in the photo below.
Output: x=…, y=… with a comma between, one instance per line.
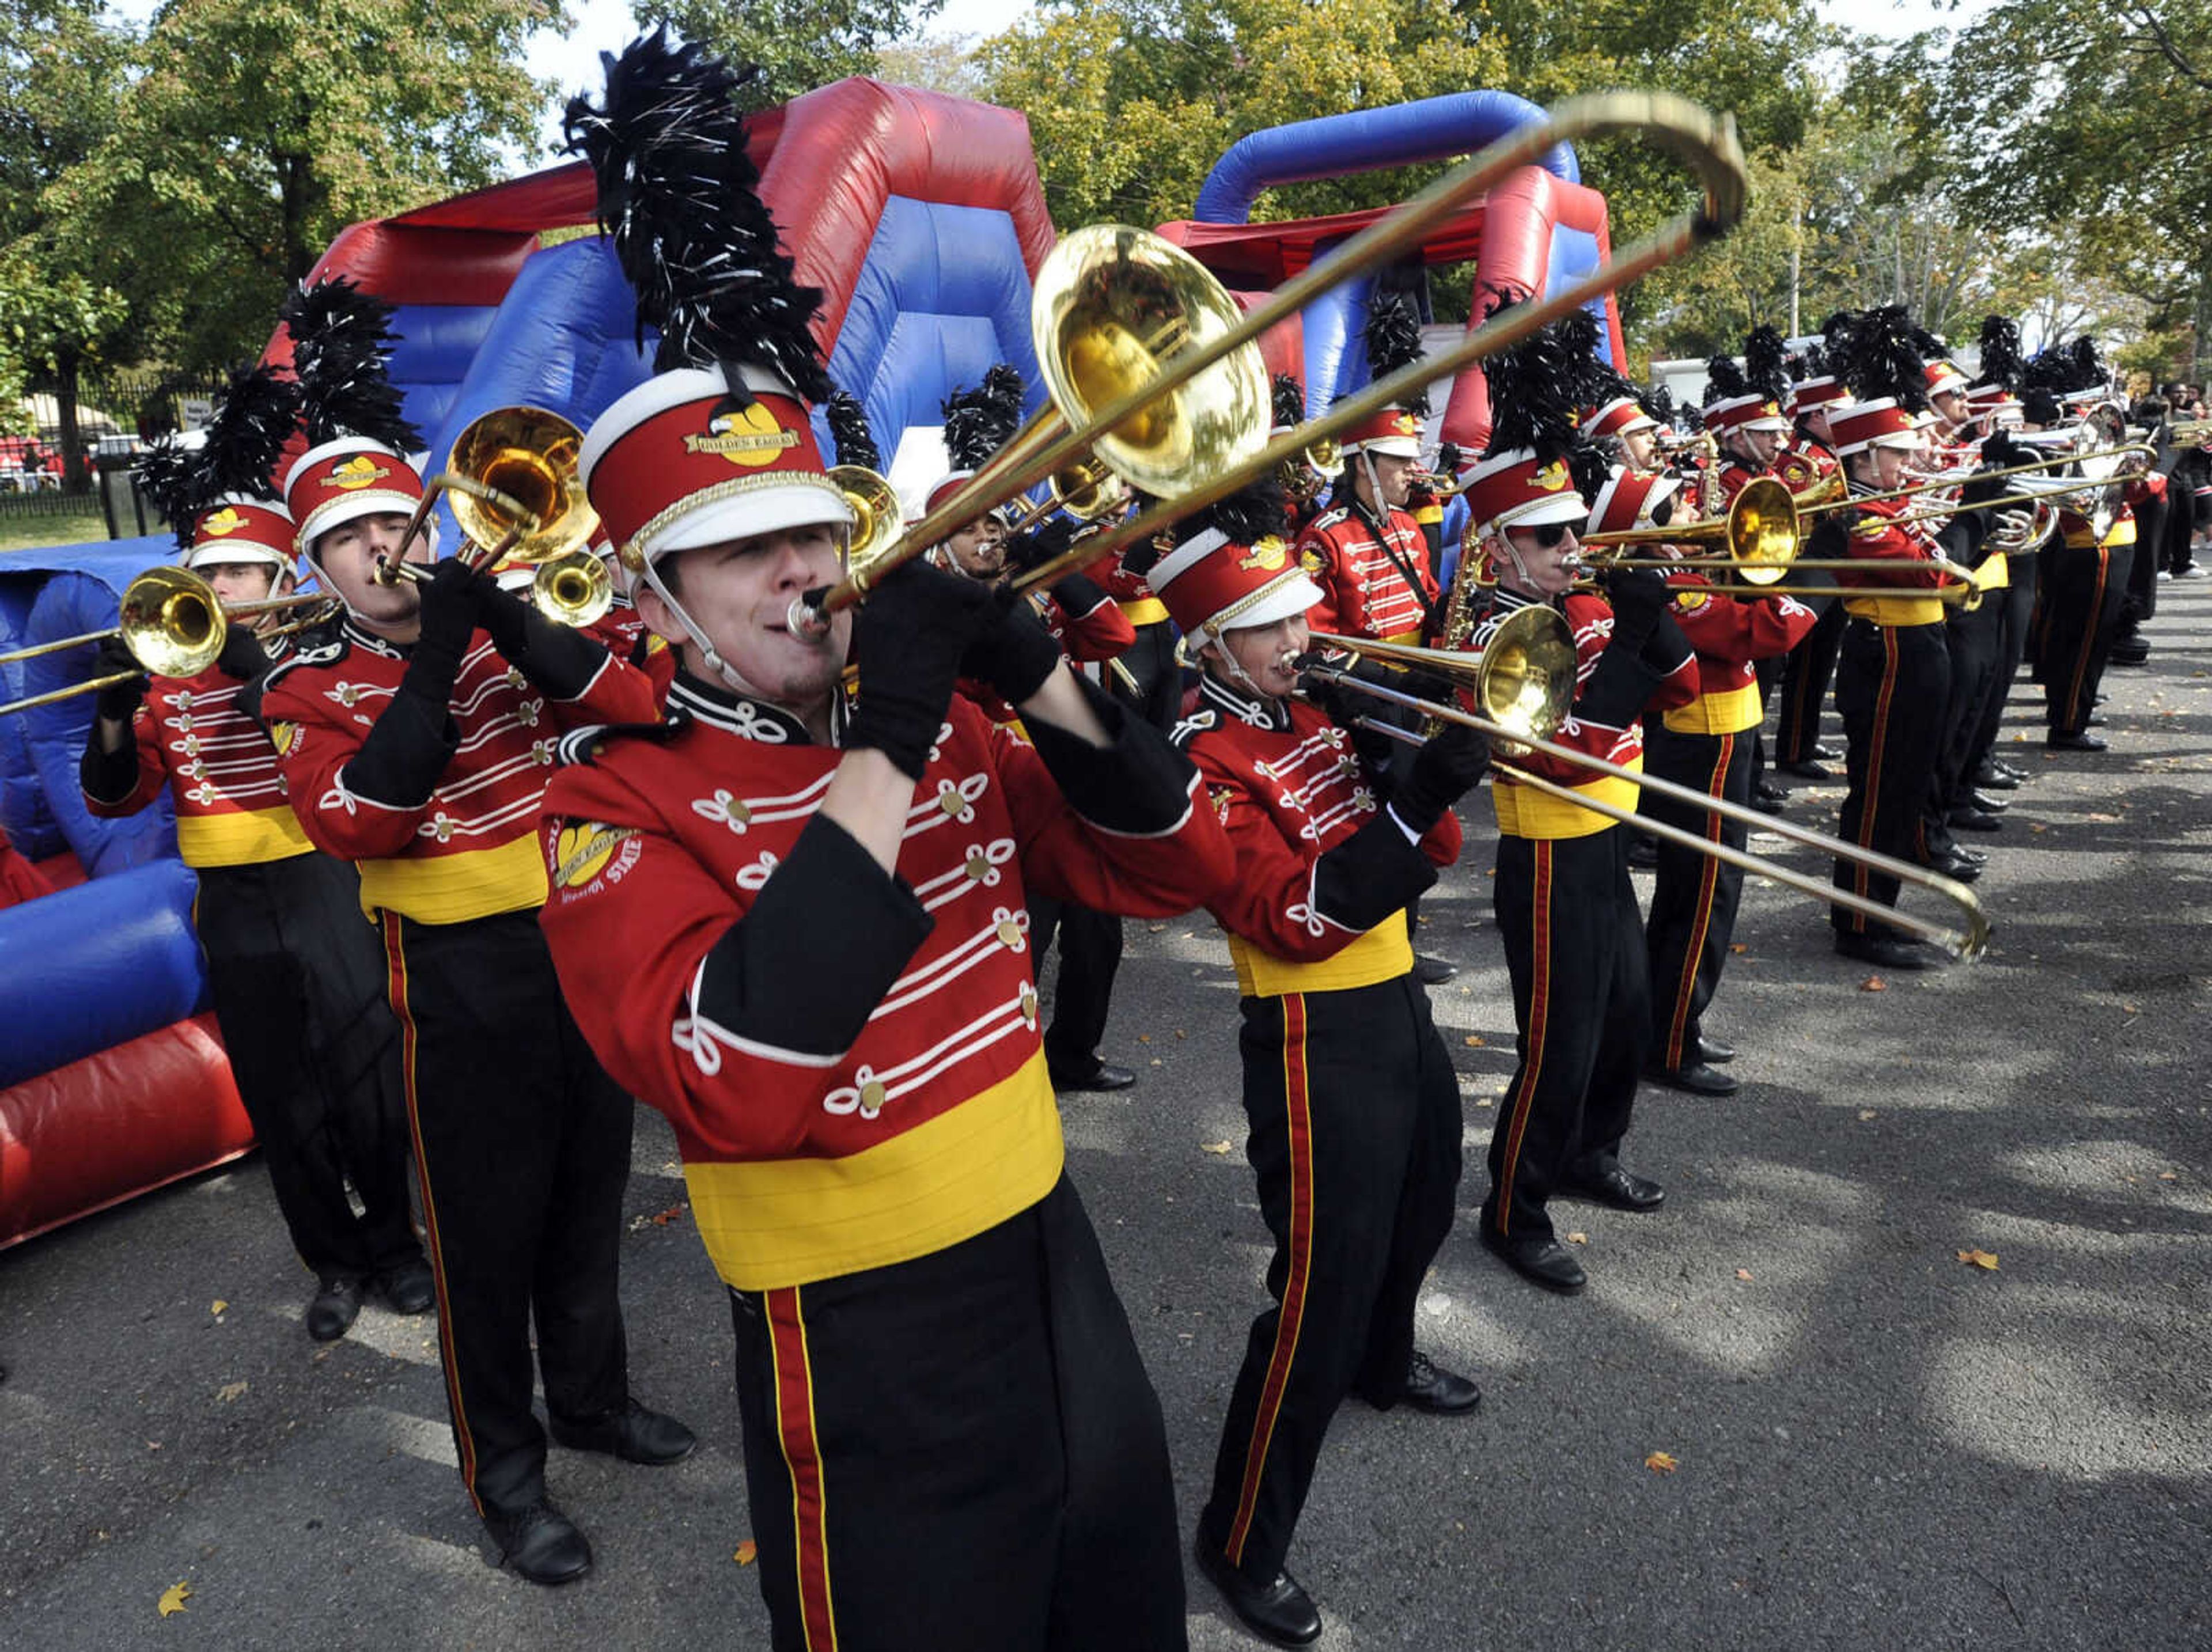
x=875, y=513
x=1088, y=490
x=1326, y=457
x=1112, y=303
x=172, y=622
x=529, y=454
x=575, y=588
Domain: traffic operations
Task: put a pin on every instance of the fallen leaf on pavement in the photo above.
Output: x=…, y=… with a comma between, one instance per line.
x=1578, y=1238
x=1874, y=984
x=1739, y=946
x=746, y=1551
x=1474, y=1041
x=229, y=1391
x=1660, y=1463
x=172, y=1599
x=1213, y=1147
x=1867, y=1116
x=674, y=1214
x=217, y=1306
x=1983, y=1259
x=1743, y=1274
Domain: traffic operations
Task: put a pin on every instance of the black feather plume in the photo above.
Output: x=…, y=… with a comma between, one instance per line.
x=254, y=417
x=850, y=433
x=1290, y=400
x=1590, y=469
x=1811, y=363
x=2090, y=373
x=1879, y=359
x=1392, y=335
x=1766, y=363
x=173, y=478
x=680, y=198
x=340, y=335
x=978, y=422
x=1932, y=347
x=2001, y=359
x=1660, y=403
x=1724, y=379
x=1532, y=400
x=1250, y=514
x=1596, y=383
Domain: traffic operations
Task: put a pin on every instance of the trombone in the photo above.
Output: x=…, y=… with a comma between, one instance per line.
x=172, y=623
x=1707, y=141
x=1220, y=418
x=1523, y=733
x=2081, y=483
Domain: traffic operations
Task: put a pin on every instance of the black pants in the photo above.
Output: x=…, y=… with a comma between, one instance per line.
x=1355, y=1125
x=1582, y=999
x=1973, y=642
x=2152, y=515
x=1893, y=688
x=2016, y=609
x=1090, y=956
x=1694, y=898
x=298, y=982
x=2083, y=593
x=1807, y=671
x=962, y=1450
x=1768, y=673
x=523, y=1144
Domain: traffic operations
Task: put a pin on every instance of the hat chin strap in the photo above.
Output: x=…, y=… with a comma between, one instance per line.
x=429, y=537
x=1217, y=642
x=715, y=663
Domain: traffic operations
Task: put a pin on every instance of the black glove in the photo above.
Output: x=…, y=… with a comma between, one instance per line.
x=1143, y=556
x=118, y=700
x=1078, y=594
x=451, y=598
x=242, y=654
x=1999, y=451
x=1034, y=547
x=1638, y=596
x=909, y=640
x=1014, y=656
x=1443, y=771
x=505, y=615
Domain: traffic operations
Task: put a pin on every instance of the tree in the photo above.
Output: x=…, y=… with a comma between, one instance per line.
x=256, y=130
x=798, y=44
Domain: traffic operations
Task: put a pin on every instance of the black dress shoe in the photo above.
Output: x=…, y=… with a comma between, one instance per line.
x=1806, y=770
x=2012, y=772
x=1967, y=818
x=408, y=1288
x=1825, y=754
x=1432, y=972
x=631, y=1433
x=1281, y=1611
x=541, y=1543
x=335, y=1304
x=1623, y=1190
x=1768, y=792
x=1643, y=855
x=2058, y=742
x=1986, y=804
x=1432, y=1388
x=1103, y=1075
x=1695, y=1077
x=1884, y=952
x=1712, y=1050
x=1991, y=777
x=2092, y=721
x=1538, y=1260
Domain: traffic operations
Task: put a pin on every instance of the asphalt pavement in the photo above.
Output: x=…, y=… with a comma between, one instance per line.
x=1874, y=1444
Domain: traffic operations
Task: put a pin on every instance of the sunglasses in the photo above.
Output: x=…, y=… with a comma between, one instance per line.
x=1549, y=534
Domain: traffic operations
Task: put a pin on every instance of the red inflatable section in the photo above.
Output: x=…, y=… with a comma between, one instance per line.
x=166, y=1109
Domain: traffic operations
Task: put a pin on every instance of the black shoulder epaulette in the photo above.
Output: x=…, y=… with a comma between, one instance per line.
x=1192, y=726
x=1329, y=517
x=581, y=745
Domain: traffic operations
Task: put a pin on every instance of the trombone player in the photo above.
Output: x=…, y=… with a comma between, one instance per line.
x=296, y=977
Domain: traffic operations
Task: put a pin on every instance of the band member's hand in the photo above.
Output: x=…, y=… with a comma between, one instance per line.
x=908, y=641
x=118, y=700
x=242, y=654
x=505, y=615
x=1638, y=596
x=1443, y=771
x=1014, y=656
x=1034, y=547
x=451, y=597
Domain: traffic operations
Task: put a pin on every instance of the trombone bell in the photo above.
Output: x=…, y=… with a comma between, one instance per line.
x=875, y=512
x=529, y=455
x=575, y=588
x=172, y=622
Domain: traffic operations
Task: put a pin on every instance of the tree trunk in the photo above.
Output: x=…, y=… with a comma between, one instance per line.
x=76, y=475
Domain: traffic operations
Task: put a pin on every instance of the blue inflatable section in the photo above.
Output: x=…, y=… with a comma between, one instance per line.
x=436, y=345
x=29, y=825
x=88, y=968
x=1331, y=145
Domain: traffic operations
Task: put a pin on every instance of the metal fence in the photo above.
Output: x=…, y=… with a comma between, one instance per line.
x=117, y=414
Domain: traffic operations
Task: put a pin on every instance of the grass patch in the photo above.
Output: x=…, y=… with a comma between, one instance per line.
x=67, y=528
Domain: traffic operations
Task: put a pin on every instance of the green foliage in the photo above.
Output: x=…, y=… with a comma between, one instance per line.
x=798, y=44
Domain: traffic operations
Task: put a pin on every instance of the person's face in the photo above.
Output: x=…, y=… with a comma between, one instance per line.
x=740, y=593
x=1640, y=449
x=1268, y=653
x=236, y=582
x=1817, y=422
x=1950, y=407
x=1759, y=446
x=347, y=554
x=1543, y=570
x=1882, y=468
x=1394, y=477
x=978, y=548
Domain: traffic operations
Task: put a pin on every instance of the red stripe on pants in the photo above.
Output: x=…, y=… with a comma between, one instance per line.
x=802, y=1458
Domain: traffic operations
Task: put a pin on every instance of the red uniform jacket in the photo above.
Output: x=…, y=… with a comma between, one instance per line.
x=1728, y=634
x=1364, y=590
x=1323, y=869
x=1899, y=598
x=1606, y=720
x=469, y=849
x=197, y=741
x=851, y=1062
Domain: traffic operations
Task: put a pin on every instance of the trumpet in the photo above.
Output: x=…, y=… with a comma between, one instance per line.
x=1228, y=414
x=1966, y=939
x=1758, y=536
x=172, y=623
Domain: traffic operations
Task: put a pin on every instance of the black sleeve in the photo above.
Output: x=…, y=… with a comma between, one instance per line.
x=108, y=776
x=1369, y=875
x=1138, y=786
x=1667, y=648
x=406, y=752
x=807, y=964
x=560, y=660
x=1622, y=685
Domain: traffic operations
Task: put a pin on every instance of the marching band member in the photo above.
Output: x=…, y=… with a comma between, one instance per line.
x=1703, y=744
x=1994, y=409
x=801, y=934
x=1305, y=489
x=417, y=744
x=1353, y=1109
x=1808, y=467
x=2085, y=587
x=296, y=976
x=1892, y=677
x=1565, y=910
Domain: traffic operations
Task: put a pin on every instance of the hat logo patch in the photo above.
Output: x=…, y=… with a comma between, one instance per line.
x=750, y=438
x=1403, y=425
x=1552, y=479
x=1269, y=553
x=357, y=472
x=226, y=521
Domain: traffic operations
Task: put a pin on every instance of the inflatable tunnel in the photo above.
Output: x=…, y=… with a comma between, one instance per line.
x=1537, y=231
